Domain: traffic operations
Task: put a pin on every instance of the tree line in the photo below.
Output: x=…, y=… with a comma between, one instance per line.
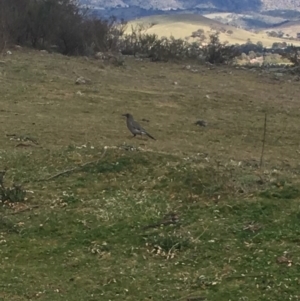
x=55, y=23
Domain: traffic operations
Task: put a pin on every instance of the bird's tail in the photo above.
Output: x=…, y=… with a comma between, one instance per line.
x=150, y=136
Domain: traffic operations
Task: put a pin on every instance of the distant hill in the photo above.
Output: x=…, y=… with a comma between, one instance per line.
x=225, y=5
x=287, y=23
x=293, y=5
x=290, y=28
x=183, y=25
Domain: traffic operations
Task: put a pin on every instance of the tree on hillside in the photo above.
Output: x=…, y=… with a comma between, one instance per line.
x=219, y=53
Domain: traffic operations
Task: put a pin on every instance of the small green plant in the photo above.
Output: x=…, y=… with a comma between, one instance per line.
x=167, y=244
x=69, y=198
x=11, y=194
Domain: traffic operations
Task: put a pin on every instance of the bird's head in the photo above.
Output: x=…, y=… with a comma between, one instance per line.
x=127, y=115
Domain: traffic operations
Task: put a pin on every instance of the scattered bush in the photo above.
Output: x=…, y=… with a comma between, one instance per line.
x=164, y=49
x=275, y=34
x=273, y=58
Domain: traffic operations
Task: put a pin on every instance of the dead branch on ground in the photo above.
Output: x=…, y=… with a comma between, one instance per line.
x=77, y=168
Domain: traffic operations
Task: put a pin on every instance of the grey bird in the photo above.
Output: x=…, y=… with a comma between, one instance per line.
x=135, y=128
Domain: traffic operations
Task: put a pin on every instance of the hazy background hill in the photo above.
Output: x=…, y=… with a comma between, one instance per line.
x=228, y=5
x=247, y=19
x=185, y=26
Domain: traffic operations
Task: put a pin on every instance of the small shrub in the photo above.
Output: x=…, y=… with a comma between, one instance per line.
x=11, y=194
x=244, y=56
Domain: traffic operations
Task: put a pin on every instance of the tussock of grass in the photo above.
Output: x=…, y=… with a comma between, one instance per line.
x=189, y=215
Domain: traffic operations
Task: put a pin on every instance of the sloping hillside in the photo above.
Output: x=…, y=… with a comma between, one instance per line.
x=289, y=28
x=229, y=5
x=182, y=26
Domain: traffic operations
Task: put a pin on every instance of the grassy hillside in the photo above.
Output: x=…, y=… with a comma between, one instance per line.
x=231, y=230
x=290, y=28
x=182, y=26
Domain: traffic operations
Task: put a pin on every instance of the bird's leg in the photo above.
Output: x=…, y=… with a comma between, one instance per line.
x=133, y=136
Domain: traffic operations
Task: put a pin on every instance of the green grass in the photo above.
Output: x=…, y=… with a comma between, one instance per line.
x=86, y=235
